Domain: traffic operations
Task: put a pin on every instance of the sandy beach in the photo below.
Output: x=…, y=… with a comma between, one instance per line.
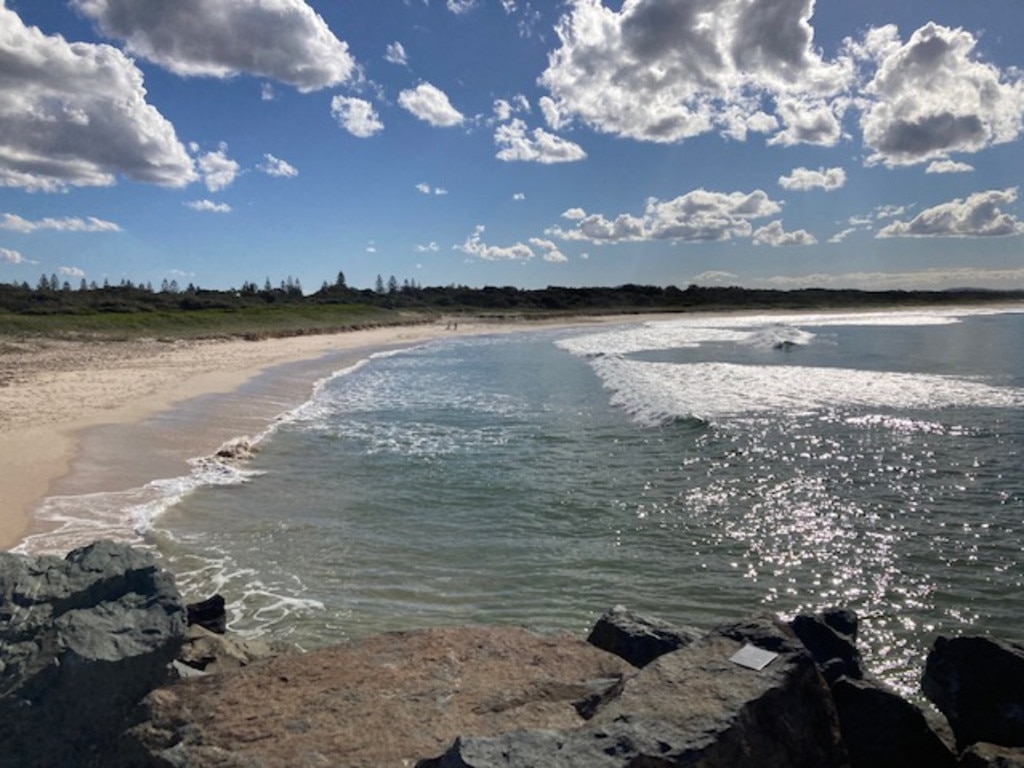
x=63, y=402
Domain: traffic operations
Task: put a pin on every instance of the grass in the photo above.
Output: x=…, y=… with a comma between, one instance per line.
x=245, y=322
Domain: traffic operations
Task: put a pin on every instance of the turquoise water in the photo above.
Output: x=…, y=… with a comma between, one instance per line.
x=698, y=469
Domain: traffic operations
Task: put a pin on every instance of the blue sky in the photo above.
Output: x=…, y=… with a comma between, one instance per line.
x=763, y=143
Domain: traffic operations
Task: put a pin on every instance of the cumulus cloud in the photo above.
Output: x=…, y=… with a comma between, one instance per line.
x=430, y=104
x=76, y=115
x=948, y=166
x=430, y=247
x=15, y=223
x=548, y=250
x=803, y=179
x=516, y=143
x=475, y=246
x=504, y=109
x=395, y=53
x=357, y=116
x=70, y=272
x=284, y=40
x=979, y=215
x=518, y=196
x=774, y=235
x=717, y=277
x=9, y=256
x=697, y=216
x=275, y=166
x=664, y=70
x=218, y=170
x=208, y=206
x=932, y=96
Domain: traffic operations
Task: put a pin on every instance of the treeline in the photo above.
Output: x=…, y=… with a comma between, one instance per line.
x=51, y=296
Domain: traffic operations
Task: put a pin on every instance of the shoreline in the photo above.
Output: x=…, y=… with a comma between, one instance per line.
x=86, y=417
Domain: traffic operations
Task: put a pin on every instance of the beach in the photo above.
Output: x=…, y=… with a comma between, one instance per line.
x=56, y=394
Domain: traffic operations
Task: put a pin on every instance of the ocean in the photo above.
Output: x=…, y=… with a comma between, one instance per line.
x=697, y=469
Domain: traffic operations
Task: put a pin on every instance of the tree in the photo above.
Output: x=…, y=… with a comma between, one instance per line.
x=340, y=282
x=392, y=285
x=379, y=285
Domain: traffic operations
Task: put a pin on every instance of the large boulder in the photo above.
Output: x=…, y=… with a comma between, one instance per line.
x=391, y=698
x=991, y=756
x=83, y=639
x=978, y=684
x=638, y=639
x=695, y=707
x=830, y=637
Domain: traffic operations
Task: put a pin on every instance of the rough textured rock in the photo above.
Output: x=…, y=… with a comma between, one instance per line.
x=209, y=614
x=394, y=697
x=833, y=650
x=84, y=638
x=210, y=653
x=693, y=707
x=638, y=639
x=882, y=730
x=991, y=756
x=978, y=684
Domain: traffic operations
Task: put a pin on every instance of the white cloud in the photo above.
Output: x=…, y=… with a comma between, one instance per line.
x=931, y=279
x=504, y=109
x=284, y=40
x=518, y=196
x=70, y=272
x=11, y=257
x=76, y=115
x=395, y=53
x=697, y=216
x=838, y=237
x=474, y=246
x=267, y=92
x=932, y=96
x=357, y=116
x=980, y=215
x=948, y=166
x=549, y=251
x=15, y=223
x=208, y=206
x=774, y=235
x=717, y=277
x=430, y=247
x=430, y=104
x=218, y=170
x=275, y=166
x=460, y=6
x=805, y=179
x=426, y=189
x=667, y=70
x=516, y=144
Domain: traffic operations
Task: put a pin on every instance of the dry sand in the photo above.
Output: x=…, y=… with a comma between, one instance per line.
x=55, y=396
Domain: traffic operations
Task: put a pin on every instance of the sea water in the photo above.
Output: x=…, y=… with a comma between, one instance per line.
x=697, y=469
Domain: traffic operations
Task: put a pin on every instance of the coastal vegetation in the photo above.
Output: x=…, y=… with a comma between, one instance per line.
x=128, y=310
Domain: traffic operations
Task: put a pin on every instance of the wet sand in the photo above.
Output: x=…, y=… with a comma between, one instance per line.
x=86, y=417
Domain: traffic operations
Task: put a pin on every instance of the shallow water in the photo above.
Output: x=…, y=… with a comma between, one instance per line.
x=696, y=469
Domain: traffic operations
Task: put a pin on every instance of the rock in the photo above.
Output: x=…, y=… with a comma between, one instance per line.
x=978, y=684
x=991, y=756
x=638, y=639
x=882, y=730
x=842, y=620
x=693, y=707
x=208, y=652
x=209, y=614
x=833, y=651
x=394, y=697
x=84, y=638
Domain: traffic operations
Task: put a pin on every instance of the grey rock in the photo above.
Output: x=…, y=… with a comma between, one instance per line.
x=82, y=640
x=638, y=639
x=883, y=730
x=991, y=756
x=978, y=684
x=692, y=707
x=833, y=651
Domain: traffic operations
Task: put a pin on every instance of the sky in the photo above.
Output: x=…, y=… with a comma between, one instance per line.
x=761, y=143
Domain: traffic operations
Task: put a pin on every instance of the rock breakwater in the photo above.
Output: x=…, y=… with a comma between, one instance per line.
x=98, y=667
